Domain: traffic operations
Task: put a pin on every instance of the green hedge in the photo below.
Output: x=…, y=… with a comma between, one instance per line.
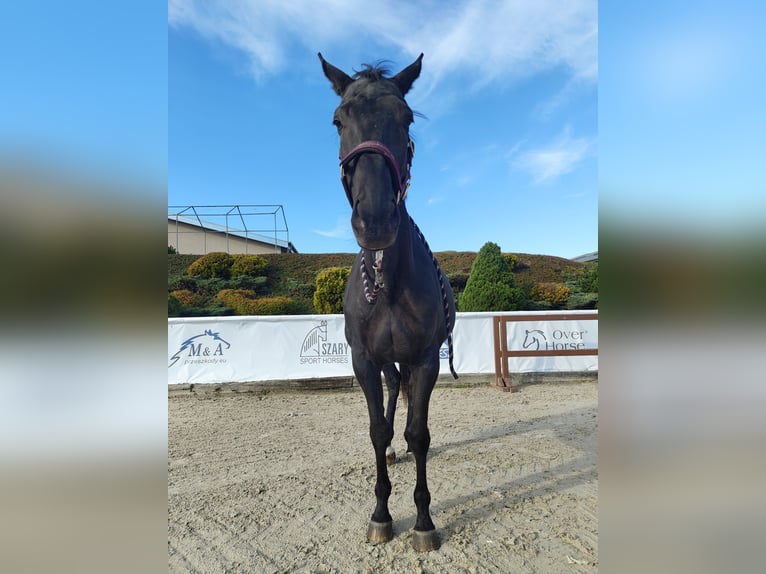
x=554, y=293
x=331, y=289
x=213, y=265
x=174, y=306
x=490, y=286
x=244, y=302
x=247, y=264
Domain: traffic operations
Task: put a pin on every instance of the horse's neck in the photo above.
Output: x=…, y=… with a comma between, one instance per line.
x=398, y=259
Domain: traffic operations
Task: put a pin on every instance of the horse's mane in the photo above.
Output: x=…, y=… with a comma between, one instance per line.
x=377, y=71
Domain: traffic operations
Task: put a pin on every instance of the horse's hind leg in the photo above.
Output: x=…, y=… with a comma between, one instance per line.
x=392, y=384
x=424, y=536
x=405, y=390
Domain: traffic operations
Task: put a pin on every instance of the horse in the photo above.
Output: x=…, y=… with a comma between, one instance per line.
x=398, y=306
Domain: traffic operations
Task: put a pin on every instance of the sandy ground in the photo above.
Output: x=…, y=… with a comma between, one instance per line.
x=283, y=482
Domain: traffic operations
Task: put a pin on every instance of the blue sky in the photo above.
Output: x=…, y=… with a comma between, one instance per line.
x=681, y=117
x=80, y=92
x=507, y=151
x=670, y=109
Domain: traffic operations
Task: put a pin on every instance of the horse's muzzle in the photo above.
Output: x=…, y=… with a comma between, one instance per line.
x=374, y=234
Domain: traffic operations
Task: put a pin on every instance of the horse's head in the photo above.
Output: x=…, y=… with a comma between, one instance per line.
x=373, y=122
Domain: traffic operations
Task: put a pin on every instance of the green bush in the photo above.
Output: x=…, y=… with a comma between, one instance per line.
x=189, y=298
x=213, y=265
x=247, y=264
x=490, y=286
x=174, y=306
x=512, y=260
x=171, y=250
x=176, y=282
x=554, y=293
x=330, y=289
x=583, y=301
x=588, y=282
x=298, y=290
x=257, y=284
x=491, y=297
x=227, y=295
x=583, y=280
x=538, y=306
x=215, y=310
x=243, y=301
x=274, y=306
x=457, y=281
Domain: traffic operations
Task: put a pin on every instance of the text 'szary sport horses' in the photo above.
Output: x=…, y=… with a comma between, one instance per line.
x=399, y=307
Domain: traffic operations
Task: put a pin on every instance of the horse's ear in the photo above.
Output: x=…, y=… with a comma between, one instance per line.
x=408, y=75
x=338, y=78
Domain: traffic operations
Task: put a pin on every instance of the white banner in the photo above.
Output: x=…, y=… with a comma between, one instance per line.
x=274, y=348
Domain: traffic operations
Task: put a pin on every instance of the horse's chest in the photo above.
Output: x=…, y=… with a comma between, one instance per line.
x=394, y=334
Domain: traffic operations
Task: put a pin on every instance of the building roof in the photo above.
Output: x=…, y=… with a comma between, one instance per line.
x=248, y=235
x=587, y=258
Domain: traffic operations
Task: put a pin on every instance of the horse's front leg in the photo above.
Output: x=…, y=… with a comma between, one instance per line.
x=381, y=432
x=392, y=384
x=424, y=536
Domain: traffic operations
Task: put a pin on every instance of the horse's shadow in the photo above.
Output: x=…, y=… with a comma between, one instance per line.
x=546, y=479
x=507, y=429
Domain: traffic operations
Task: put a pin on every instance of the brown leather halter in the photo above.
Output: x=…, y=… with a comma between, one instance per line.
x=401, y=180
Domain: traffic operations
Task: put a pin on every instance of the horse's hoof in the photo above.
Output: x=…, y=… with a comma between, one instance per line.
x=425, y=540
x=390, y=455
x=379, y=532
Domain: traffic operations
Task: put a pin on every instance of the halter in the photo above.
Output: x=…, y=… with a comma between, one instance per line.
x=401, y=181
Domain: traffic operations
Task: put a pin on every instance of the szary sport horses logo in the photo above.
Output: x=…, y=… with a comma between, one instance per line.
x=313, y=340
x=533, y=338
x=317, y=348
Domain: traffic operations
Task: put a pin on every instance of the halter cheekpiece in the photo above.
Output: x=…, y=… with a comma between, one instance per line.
x=401, y=179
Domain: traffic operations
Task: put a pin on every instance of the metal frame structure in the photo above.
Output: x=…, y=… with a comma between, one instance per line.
x=227, y=219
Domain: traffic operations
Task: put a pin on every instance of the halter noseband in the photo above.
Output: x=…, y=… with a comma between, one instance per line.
x=402, y=181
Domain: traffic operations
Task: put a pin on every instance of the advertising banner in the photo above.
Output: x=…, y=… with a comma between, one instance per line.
x=245, y=349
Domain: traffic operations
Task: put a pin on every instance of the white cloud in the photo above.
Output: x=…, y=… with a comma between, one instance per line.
x=560, y=157
x=481, y=40
x=342, y=230
x=434, y=199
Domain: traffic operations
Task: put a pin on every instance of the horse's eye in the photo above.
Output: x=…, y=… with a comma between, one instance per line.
x=338, y=125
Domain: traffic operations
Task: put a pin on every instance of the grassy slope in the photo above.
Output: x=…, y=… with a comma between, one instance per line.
x=294, y=274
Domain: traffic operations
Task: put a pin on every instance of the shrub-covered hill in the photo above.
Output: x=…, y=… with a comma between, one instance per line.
x=294, y=274
x=303, y=267
x=535, y=268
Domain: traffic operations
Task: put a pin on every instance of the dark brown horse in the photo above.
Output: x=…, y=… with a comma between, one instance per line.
x=399, y=307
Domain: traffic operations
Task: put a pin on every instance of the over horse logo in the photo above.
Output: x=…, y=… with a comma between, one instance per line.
x=533, y=338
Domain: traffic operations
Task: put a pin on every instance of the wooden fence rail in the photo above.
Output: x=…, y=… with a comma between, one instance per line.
x=502, y=353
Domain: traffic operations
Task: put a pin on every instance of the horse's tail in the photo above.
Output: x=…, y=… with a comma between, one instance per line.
x=451, y=356
x=405, y=383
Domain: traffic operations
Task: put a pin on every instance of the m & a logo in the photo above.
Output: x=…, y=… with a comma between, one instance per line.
x=318, y=348
x=199, y=350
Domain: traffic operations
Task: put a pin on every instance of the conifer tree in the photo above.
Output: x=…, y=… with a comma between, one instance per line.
x=490, y=285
